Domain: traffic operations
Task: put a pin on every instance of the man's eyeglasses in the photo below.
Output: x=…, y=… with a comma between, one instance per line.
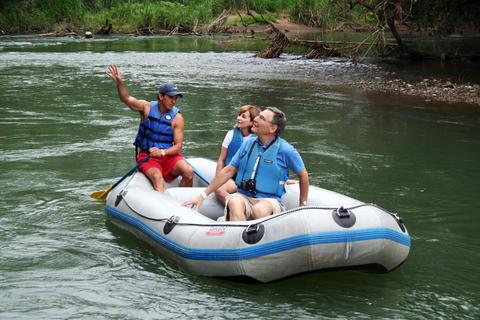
x=264, y=119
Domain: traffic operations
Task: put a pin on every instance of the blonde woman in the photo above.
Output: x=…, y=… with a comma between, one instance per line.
x=231, y=143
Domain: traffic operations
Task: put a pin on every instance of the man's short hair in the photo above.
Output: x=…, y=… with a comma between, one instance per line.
x=279, y=119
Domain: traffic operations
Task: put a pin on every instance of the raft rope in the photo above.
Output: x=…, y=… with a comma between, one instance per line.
x=275, y=216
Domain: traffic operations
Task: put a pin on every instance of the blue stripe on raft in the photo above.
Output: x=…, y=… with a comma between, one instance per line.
x=262, y=249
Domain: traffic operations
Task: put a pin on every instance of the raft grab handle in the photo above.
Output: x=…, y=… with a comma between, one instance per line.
x=170, y=224
x=344, y=217
x=120, y=196
x=253, y=233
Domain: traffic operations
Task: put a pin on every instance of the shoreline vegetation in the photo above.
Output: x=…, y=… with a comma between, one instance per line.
x=385, y=22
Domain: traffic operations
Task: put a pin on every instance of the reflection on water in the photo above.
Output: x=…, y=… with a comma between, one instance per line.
x=64, y=134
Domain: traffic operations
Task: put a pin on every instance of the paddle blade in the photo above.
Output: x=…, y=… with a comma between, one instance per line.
x=100, y=195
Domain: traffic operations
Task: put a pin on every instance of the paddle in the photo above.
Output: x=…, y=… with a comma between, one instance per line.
x=102, y=195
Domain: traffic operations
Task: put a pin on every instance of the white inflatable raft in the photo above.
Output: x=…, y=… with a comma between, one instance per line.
x=333, y=231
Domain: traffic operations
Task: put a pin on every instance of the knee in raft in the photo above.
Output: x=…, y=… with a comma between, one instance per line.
x=188, y=173
x=261, y=210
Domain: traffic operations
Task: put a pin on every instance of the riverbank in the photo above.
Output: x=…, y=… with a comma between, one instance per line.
x=428, y=89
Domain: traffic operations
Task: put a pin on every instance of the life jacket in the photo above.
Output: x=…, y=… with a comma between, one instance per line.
x=269, y=177
x=235, y=144
x=156, y=130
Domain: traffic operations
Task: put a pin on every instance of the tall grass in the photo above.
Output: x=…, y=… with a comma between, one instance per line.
x=36, y=15
x=128, y=15
x=125, y=15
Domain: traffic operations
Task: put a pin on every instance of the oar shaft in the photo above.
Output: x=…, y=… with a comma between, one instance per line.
x=131, y=171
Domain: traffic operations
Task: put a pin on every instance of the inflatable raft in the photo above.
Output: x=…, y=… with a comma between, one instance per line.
x=332, y=231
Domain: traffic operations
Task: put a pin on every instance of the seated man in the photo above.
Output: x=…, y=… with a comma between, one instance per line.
x=160, y=133
x=261, y=165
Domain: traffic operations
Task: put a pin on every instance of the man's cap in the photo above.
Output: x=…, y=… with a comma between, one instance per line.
x=170, y=89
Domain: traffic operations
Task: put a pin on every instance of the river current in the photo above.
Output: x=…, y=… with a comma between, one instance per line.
x=64, y=134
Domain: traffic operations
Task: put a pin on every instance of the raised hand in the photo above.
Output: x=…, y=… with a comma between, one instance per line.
x=114, y=73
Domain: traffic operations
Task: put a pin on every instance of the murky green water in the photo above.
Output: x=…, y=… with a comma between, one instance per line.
x=64, y=134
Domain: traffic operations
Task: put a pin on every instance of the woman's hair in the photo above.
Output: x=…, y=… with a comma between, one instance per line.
x=252, y=110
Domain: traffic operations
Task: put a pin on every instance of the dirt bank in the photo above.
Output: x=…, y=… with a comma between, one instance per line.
x=429, y=89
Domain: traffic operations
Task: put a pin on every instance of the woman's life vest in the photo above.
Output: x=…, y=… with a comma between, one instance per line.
x=262, y=166
x=156, y=130
x=234, y=145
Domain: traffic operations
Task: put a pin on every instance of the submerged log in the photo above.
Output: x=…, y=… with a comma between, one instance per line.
x=59, y=34
x=323, y=51
x=320, y=49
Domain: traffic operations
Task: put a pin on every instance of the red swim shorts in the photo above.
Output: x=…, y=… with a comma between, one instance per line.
x=165, y=164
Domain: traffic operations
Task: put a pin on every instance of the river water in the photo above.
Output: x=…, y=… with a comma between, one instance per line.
x=64, y=134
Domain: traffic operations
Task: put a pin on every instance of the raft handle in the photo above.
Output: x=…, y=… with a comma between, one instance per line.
x=120, y=196
x=253, y=233
x=253, y=228
x=399, y=221
x=342, y=212
x=344, y=217
x=170, y=224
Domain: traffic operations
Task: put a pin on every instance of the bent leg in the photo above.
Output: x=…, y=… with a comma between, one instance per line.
x=182, y=168
x=237, y=208
x=156, y=177
x=262, y=209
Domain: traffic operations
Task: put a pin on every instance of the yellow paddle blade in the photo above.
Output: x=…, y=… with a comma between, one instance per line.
x=100, y=195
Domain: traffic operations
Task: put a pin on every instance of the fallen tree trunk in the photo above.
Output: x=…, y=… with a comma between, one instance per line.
x=59, y=34
x=275, y=49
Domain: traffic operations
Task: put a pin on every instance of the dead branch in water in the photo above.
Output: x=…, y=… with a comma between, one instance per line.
x=218, y=25
x=275, y=49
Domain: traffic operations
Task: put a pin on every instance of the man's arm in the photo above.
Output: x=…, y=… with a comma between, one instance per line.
x=303, y=177
x=222, y=177
x=178, y=125
x=141, y=106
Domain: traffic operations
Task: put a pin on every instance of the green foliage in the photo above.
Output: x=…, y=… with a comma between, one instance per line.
x=268, y=5
x=315, y=13
x=248, y=20
x=445, y=16
x=126, y=15
x=37, y=15
x=19, y=16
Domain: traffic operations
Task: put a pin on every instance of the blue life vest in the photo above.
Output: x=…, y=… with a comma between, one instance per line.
x=156, y=130
x=234, y=145
x=270, y=177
